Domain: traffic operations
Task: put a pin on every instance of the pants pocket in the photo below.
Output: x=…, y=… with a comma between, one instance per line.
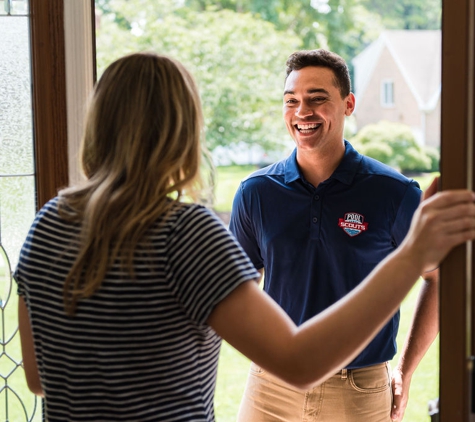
x=373, y=379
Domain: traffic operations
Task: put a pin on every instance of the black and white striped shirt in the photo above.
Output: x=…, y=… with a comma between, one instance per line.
x=137, y=350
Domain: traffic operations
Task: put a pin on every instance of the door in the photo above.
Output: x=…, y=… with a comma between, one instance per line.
x=457, y=293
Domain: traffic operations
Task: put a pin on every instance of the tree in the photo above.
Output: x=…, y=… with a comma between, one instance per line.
x=407, y=14
x=338, y=25
x=237, y=48
x=237, y=60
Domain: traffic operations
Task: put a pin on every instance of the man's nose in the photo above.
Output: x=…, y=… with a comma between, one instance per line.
x=303, y=110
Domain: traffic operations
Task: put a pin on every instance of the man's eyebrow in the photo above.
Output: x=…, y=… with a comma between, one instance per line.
x=310, y=91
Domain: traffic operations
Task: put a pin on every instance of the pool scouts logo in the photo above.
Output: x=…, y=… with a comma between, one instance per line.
x=353, y=224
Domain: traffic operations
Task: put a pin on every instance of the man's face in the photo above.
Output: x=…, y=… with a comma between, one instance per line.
x=314, y=111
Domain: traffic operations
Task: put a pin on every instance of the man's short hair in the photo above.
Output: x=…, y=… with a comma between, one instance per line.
x=322, y=58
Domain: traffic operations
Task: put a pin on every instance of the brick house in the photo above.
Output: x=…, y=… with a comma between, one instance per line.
x=398, y=78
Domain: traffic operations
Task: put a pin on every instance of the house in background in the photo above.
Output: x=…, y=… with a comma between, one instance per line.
x=398, y=78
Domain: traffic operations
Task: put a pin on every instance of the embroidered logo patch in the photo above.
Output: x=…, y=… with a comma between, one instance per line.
x=353, y=224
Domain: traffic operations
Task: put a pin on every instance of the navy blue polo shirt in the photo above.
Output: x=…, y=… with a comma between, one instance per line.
x=317, y=243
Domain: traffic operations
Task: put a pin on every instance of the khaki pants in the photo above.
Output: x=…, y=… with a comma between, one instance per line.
x=353, y=395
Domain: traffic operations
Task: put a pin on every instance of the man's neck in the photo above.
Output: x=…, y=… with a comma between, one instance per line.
x=318, y=166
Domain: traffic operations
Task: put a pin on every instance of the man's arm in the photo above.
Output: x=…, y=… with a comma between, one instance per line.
x=422, y=332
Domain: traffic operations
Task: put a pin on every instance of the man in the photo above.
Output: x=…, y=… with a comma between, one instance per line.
x=316, y=224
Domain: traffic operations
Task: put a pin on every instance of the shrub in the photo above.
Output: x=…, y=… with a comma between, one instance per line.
x=394, y=144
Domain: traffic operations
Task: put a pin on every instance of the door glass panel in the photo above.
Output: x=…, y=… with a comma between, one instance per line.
x=17, y=200
x=14, y=7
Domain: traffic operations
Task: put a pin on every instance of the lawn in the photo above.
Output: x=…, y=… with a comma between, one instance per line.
x=16, y=400
x=233, y=367
x=227, y=182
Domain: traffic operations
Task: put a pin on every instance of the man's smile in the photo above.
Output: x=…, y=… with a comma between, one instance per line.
x=307, y=128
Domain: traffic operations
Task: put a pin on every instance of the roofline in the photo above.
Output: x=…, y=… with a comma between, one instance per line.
x=419, y=101
x=384, y=40
x=378, y=55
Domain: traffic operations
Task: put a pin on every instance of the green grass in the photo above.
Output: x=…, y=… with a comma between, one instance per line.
x=12, y=349
x=227, y=182
x=233, y=367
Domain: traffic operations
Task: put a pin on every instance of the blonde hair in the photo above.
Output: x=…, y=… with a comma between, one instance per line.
x=140, y=151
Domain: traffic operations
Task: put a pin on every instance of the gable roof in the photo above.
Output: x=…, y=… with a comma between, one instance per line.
x=417, y=53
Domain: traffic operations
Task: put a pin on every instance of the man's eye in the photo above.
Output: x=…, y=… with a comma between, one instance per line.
x=290, y=101
x=319, y=99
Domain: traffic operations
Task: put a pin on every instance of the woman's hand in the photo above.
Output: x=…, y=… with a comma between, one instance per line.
x=442, y=221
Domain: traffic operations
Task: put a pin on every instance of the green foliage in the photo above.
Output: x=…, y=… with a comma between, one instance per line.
x=407, y=14
x=394, y=144
x=238, y=62
x=434, y=155
x=338, y=25
x=237, y=51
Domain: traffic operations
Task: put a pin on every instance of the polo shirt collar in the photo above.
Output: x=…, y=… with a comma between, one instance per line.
x=346, y=170
x=291, y=169
x=344, y=173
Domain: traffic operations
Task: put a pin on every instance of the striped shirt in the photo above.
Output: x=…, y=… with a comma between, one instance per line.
x=137, y=350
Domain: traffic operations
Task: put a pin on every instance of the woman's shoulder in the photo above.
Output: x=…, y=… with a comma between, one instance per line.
x=185, y=213
x=48, y=215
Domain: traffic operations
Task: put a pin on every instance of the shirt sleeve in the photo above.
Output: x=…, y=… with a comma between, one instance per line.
x=206, y=263
x=28, y=248
x=19, y=283
x=242, y=227
x=407, y=207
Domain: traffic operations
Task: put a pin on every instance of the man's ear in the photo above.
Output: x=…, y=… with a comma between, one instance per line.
x=350, y=102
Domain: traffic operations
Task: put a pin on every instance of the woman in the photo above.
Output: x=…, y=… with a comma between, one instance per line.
x=126, y=292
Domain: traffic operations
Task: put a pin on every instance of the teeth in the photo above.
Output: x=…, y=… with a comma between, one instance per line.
x=306, y=127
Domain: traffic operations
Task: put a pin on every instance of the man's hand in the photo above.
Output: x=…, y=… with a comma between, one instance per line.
x=400, y=386
x=432, y=189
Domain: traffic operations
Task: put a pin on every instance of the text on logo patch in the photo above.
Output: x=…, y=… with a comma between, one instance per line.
x=353, y=224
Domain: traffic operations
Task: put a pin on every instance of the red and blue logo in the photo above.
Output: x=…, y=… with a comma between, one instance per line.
x=353, y=224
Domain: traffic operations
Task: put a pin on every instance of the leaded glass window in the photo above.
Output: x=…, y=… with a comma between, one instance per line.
x=17, y=199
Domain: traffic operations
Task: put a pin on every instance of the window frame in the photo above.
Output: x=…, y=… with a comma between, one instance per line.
x=387, y=93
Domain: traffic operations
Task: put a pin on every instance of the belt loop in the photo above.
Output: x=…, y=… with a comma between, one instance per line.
x=344, y=374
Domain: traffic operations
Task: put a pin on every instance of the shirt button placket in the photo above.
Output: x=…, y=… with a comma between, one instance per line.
x=316, y=205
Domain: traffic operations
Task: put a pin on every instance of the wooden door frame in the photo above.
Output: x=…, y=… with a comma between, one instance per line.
x=63, y=73
x=49, y=97
x=457, y=139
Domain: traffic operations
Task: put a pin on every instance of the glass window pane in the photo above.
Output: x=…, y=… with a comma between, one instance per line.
x=17, y=200
x=16, y=138
x=14, y=7
x=17, y=210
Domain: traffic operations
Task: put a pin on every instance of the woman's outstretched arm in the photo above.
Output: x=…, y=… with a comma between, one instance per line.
x=255, y=325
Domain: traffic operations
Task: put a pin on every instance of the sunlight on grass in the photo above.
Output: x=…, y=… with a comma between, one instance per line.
x=227, y=182
x=232, y=374
x=16, y=401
